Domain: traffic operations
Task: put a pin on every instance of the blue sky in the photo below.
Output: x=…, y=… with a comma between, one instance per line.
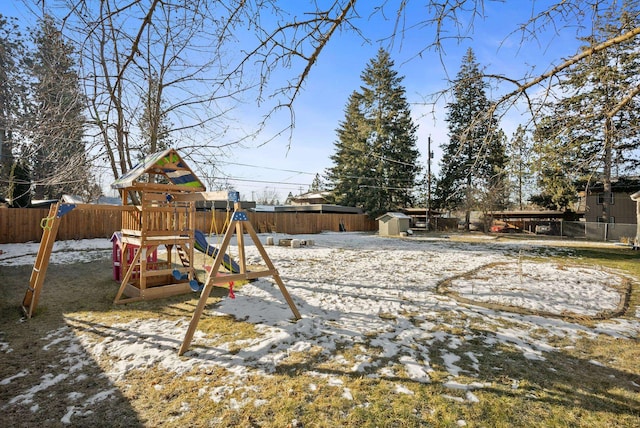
x=337, y=73
x=289, y=165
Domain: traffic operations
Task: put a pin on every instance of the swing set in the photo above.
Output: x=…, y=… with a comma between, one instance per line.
x=165, y=191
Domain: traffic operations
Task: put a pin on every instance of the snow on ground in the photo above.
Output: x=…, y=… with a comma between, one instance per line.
x=364, y=292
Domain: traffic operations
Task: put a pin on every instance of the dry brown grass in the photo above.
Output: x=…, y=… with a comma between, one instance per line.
x=566, y=389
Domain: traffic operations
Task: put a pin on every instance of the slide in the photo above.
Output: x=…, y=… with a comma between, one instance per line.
x=202, y=244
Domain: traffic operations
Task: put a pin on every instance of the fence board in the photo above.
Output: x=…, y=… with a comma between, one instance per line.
x=23, y=224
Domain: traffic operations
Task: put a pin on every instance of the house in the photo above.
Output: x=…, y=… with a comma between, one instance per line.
x=622, y=207
x=309, y=198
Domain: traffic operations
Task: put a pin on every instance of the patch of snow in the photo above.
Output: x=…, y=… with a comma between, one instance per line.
x=8, y=380
x=401, y=389
x=416, y=371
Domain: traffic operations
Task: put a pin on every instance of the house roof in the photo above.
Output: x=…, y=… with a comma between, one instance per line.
x=528, y=214
x=167, y=163
x=618, y=185
x=318, y=208
x=390, y=215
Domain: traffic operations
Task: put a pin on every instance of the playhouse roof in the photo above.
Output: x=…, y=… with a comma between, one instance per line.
x=167, y=163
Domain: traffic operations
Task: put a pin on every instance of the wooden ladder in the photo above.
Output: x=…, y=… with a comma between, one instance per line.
x=184, y=257
x=50, y=224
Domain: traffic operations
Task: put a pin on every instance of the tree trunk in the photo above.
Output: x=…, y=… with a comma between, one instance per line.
x=606, y=179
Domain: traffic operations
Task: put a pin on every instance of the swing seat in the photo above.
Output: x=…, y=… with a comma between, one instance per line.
x=179, y=275
x=196, y=286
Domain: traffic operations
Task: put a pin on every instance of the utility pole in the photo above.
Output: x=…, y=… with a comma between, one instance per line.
x=429, y=156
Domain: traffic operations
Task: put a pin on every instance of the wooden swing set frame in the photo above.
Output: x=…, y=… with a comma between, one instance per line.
x=166, y=217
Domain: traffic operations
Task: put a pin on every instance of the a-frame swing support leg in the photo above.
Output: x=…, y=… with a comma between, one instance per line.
x=50, y=226
x=239, y=225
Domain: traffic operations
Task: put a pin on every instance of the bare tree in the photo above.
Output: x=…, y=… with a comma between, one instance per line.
x=154, y=59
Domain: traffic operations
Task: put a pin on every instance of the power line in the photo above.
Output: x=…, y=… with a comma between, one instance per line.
x=255, y=181
x=267, y=167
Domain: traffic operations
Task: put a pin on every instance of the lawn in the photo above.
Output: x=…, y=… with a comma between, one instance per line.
x=460, y=330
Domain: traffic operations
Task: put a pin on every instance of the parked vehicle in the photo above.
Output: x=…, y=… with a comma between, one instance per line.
x=504, y=228
x=543, y=229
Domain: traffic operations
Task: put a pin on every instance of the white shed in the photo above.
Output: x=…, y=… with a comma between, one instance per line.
x=393, y=223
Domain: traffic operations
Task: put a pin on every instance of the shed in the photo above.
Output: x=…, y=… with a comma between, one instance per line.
x=393, y=224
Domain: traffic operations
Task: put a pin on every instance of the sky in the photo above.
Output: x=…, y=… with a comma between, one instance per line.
x=395, y=325
x=290, y=162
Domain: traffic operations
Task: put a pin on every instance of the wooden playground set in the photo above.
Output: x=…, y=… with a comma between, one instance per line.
x=158, y=207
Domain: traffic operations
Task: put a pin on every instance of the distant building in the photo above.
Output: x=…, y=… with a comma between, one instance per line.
x=622, y=206
x=309, y=198
x=101, y=200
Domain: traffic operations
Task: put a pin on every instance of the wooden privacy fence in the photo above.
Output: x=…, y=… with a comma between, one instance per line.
x=24, y=224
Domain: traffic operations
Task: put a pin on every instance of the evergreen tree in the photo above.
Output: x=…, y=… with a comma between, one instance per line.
x=13, y=107
x=519, y=155
x=375, y=164
x=317, y=185
x=351, y=173
x=558, y=166
x=592, y=133
x=20, y=184
x=472, y=169
x=59, y=162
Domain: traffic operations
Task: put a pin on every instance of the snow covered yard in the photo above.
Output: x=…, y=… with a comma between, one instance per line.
x=394, y=332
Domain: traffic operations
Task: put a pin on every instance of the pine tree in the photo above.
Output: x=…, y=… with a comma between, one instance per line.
x=592, y=133
x=519, y=155
x=557, y=165
x=472, y=169
x=351, y=173
x=59, y=159
x=20, y=184
x=375, y=164
x=13, y=110
x=317, y=185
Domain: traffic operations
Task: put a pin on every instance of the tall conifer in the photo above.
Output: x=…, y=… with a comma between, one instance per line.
x=472, y=169
x=375, y=163
x=14, y=178
x=59, y=159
